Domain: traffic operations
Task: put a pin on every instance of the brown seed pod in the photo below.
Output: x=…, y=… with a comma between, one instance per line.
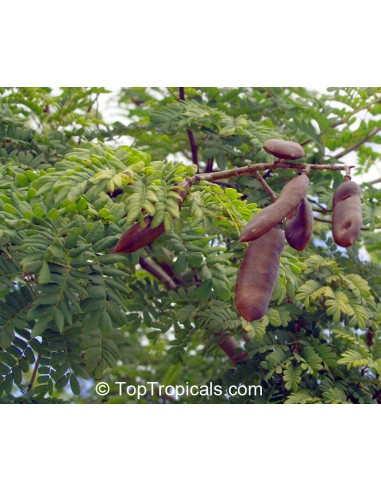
x=137, y=237
x=284, y=149
x=299, y=227
x=258, y=273
x=272, y=215
x=347, y=214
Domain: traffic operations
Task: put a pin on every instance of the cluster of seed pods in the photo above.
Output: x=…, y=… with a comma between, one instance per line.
x=259, y=269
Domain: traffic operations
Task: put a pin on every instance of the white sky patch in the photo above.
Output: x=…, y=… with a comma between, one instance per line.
x=111, y=111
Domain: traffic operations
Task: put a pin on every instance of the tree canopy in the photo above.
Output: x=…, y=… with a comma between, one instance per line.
x=189, y=164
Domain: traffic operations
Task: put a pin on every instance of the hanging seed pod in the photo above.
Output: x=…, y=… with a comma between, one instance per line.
x=347, y=214
x=258, y=273
x=283, y=149
x=272, y=215
x=137, y=237
x=299, y=227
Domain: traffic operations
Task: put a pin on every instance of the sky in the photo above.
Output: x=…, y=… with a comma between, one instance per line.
x=111, y=112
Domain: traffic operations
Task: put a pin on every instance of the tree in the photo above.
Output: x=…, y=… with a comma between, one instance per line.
x=72, y=309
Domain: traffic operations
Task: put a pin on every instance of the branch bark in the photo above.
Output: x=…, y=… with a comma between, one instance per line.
x=209, y=165
x=228, y=343
x=343, y=120
x=154, y=269
x=366, y=106
x=34, y=373
x=357, y=144
x=328, y=221
x=192, y=141
x=265, y=186
x=374, y=181
x=252, y=169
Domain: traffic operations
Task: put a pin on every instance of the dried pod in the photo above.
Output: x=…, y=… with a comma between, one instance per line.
x=299, y=227
x=284, y=149
x=347, y=214
x=258, y=273
x=272, y=215
x=137, y=237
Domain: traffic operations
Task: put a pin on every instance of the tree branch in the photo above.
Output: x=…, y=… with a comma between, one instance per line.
x=231, y=348
x=252, y=169
x=328, y=221
x=193, y=146
x=343, y=120
x=375, y=181
x=357, y=144
x=154, y=269
x=34, y=374
x=209, y=165
x=366, y=106
x=228, y=344
x=265, y=186
x=191, y=139
x=323, y=210
x=323, y=220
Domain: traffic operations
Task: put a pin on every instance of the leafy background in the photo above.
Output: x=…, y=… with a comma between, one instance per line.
x=71, y=182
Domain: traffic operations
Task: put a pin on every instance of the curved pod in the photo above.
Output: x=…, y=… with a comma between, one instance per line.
x=283, y=149
x=258, y=273
x=299, y=227
x=137, y=237
x=272, y=215
x=347, y=214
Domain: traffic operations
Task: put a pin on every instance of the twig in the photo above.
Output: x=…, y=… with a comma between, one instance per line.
x=267, y=174
x=323, y=220
x=154, y=269
x=193, y=146
x=374, y=181
x=231, y=348
x=209, y=165
x=228, y=344
x=254, y=168
x=330, y=222
x=357, y=144
x=36, y=365
x=191, y=139
x=343, y=120
x=323, y=210
x=246, y=336
x=265, y=186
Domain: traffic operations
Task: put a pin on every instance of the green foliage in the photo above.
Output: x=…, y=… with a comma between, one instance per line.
x=72, y=311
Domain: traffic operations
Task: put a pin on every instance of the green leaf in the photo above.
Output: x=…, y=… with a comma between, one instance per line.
x=221, y=289
x=59, y=319
x=8, y=384
x=96, y=232
x=353, y=358
x=21, y=180
x=74, y=385
x=203, y=292
x=334, y=396
x=292, y=377
x=40, y=326
x=106, y=325
x=7, y=358
x=44, y=275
